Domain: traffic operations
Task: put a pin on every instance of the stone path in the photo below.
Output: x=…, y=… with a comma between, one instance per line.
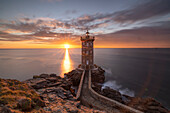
x=88, y=100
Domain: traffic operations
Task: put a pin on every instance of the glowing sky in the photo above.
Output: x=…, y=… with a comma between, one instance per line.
x=115, y=23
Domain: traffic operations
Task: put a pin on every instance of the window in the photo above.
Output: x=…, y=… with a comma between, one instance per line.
x=87, y=62
x=87, y=52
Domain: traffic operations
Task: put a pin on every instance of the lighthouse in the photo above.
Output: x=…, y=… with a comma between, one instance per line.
x=87, y=52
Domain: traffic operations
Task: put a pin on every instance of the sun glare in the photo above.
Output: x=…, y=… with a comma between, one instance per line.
x=66, y=46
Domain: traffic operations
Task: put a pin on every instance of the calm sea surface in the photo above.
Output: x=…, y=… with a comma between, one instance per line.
x=136, y=72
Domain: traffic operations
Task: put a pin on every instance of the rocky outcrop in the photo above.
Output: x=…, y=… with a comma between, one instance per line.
x=74, y=76
x=16, y=96
x=52, y=94
x=113, y=94
x=97, y=78
x=98, y=75
x=58, y=94
x=43, y=94
x=147, y=105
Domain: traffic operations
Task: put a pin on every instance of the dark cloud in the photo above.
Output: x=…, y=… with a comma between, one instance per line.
x=165, y=24
x=161, y=28
x=147, y=10
x=148, y=36
x=143, y=11
x=146, y=31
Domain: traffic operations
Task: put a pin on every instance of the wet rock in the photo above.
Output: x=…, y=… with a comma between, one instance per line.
x=113, y=94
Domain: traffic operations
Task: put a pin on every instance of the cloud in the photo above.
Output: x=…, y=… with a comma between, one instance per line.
x=143, y=31
x=147, y=10
x=37, y=30
x=50, y=30
x=33, y=25
x=160, y=28
x=146, y=36
x=94, y=21
x=137, y=13
x=71, y=12
x=10, y=37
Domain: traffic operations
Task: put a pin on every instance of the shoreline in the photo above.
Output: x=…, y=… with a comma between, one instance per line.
x=52, y=88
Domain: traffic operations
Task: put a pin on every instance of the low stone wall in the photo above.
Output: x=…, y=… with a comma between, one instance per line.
x=110, y=102
x=80, y=86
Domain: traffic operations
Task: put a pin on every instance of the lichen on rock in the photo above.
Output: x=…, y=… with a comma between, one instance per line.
x=18, y=95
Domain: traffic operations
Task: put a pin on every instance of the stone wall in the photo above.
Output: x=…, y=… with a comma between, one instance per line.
x=110, y=102
x=80, y=86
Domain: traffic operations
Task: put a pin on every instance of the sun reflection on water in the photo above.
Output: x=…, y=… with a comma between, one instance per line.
x=67, y=63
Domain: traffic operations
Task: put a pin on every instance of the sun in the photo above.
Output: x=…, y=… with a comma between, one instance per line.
x=66, y=46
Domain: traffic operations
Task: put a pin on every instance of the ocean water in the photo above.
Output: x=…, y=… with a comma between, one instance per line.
x=135, y=72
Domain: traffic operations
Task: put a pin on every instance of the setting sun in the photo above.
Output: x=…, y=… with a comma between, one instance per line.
x=66, y=46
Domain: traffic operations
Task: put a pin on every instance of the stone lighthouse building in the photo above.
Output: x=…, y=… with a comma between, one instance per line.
x=87, y=51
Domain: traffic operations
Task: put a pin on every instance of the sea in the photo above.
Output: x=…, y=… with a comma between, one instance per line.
x=135, y=72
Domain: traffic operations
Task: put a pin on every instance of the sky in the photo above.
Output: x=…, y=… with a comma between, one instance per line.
x=114, y=23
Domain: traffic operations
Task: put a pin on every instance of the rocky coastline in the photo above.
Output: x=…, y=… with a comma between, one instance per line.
x=49, y=93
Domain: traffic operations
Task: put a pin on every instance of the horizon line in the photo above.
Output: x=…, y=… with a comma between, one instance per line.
x=99, y=48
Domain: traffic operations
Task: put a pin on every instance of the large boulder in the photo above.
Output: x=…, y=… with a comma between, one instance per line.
x=113, y=94
x=98, y=75
x=74, y=76
x=97, y=87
